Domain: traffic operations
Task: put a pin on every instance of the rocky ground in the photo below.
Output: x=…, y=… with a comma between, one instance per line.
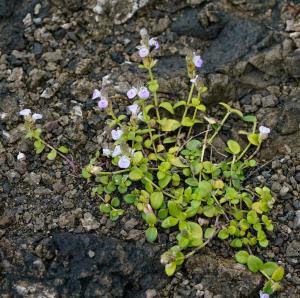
x=54, y=241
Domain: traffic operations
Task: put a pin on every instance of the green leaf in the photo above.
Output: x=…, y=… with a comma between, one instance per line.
x=156, y=199
x=179, y=104
x=269, y=268
x=250, y=118
x=136, y=174
x=193, y=145
x=201, y=108
x=196, y=234
x=236, y=243
x=204, y=189
x=209, y=211
x=209, y=232
x=150, y=219
x=169, y=222
x=162, y=213
x=170, y=268
x=223, y=234
x=167, y=106
x=253, y=138
x=176, y=161
x=39, y=146
x=192, y=181
x=151, y=234
x=187, y=121
x=130, y=198
x=105, y=208
x=137, y=158
x=115, y=202
x=252, y=217
x=242, y=257
x=164, y=181
x=234, y=147
x=153, y=85
x=146, y=111
x=278, y=274
x=174, y=209
x=63, y=149
x=254, y=263
x=52, y=154
x=169, y=124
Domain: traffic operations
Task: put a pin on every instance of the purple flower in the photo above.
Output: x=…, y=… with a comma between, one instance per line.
x=154, y=43
x=116, y=134
x=197, y=61
x=132, y=93
x=25, y=112
x=264, y=132
x=36, y=116
x=143, y=51
x=134, y=109
x=263, y=295
x=124, y=162
x=194, y=80
x=144, y=93
x=102, y=104
x=96, y=94
x=117, y=151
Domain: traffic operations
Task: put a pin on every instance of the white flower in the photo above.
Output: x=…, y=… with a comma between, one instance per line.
x=21, y=156
x=36, y=116
x=116, y=134
x=143, y=32
x=134, y=109
x=154, y=43
x=117, y=151
x=124, y=162
x=264, y=132
x=106, y=152
x=25, y=112
x=96, y=94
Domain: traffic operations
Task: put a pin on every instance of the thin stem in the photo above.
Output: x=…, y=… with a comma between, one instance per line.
x=219, y=128
x=218, y=203
x=154, y=94
x=194, y=115
x=255, y=152
x=231, y=167
x=186, y=107
x=113, y=173
x=203, y=150
x=158, y=188
x=249, y=144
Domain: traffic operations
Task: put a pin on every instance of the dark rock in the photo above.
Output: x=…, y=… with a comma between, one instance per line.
x=117, y=268
x=234, y=42
x=7, y=7
x=223, y=277
x=188, y=24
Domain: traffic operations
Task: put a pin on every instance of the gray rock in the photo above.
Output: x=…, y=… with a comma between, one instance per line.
x=223, y=277
x=276, y=187
x=7, y=7
x=297, y=220
x=89, y=222
x=292, y=64
x=269, y=101
x=293, y=249
x=284, y=190
x=53, y=56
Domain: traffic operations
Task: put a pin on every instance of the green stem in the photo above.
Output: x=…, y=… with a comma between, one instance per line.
x=113, y=173
x=58, y=152
x=194, y=116
x=186, y=107
x=220, y=206
x=149, y=130
x=158, y=188
x=203, y=151
x=219, y=128
x=249, y=144
x=155, y=97
x=231, y=167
